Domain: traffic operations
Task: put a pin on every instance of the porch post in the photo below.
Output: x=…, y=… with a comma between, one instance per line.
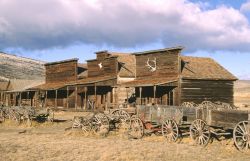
x=95, y=96
x=140, y=95
x=67, y=100
x=85, y=98
x=127, y=94
x=56, y=98
x=76, y=93
x=20, y=97
x=154, y=94
x=46, y=97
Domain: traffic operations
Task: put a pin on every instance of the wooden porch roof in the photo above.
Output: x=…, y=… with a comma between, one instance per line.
x=49, y=86
x=142, y=82
x=92, y=80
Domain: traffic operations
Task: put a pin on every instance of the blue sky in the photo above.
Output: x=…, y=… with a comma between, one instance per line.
x=54, y=30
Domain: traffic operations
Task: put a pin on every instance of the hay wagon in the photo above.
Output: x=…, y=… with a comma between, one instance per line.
x=200, y=122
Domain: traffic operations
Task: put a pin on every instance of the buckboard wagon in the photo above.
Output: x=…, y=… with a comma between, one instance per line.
x=198, y=122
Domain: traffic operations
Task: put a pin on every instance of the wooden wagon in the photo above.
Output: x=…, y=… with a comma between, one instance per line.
x=198, y=122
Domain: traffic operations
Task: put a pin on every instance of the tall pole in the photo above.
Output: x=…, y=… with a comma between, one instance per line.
x=20, y=97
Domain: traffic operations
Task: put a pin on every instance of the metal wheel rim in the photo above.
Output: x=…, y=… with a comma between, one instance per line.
x=199, y=132
x=241, y=135
x=170, y=130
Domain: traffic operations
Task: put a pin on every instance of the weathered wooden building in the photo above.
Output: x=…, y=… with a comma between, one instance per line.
x=161, y=76
x=16, y=75
x=165, y=77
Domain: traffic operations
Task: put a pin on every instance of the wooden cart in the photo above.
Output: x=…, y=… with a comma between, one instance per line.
x=198, y=122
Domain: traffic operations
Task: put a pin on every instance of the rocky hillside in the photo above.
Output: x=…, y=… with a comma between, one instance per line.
x=15, y=67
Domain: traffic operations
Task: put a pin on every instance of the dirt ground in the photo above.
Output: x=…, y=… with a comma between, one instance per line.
x=50, y=141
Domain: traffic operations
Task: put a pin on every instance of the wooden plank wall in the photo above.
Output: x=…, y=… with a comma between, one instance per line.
x=109, y=67
x=66, y=71
x=167, y=64
x=210, y=90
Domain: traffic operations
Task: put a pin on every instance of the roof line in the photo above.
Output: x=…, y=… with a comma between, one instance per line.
x=62, y=61
x=159, y=50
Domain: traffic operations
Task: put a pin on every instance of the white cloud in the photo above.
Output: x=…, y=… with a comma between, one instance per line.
x=122, y=23
x=245, y=7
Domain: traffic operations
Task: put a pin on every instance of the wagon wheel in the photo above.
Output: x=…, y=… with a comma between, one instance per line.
x=188, y=104
x=241, y=135
x=199, y=132
x=170, y=130
x=101, y=124
x=208, y=104
x=2, y=116
x=50, y=117
x=136, y=128
x=77, y=122
x=122, y=117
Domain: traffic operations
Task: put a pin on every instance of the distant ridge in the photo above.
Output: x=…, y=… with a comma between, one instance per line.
x=18, y=67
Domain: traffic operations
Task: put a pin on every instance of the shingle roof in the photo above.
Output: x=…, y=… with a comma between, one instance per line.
x=204, y=68
x=91, y=80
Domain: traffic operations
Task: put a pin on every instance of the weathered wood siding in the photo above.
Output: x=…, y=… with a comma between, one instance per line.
x=210, y=90
x=109, y=67
x=167, y=63
x=59, y=72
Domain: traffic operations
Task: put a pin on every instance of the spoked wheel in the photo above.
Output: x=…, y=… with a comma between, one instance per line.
x=77, y=123
x=170, y=130
x=50, y=117
x=199, y=132
x=101, y=123
x=2, y=116
x=122, y=118
x=241, y=135
x=136, y=128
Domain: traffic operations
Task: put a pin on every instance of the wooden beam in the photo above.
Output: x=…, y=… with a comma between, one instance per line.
x=154, y=94
x=95, y=96
x=46, y=97
x=76, y=94
x=140, y=88
x=20, y=99
x=67, y=99
x=56, y=98
x=85, y=97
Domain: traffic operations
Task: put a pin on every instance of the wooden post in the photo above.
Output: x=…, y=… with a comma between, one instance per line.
x=127, y=94
x=56, y=99
x=76, y=97
x=85, y=97
x=95, y=96
x=154, y=94
x=46, y=97
x=140, y=95
x=20, y=99
x=67, y=97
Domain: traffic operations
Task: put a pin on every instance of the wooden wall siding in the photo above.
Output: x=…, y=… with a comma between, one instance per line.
x=109, y=67
x=61, y=72
x=167, y=64
x=102, y=56
x=210, y=90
